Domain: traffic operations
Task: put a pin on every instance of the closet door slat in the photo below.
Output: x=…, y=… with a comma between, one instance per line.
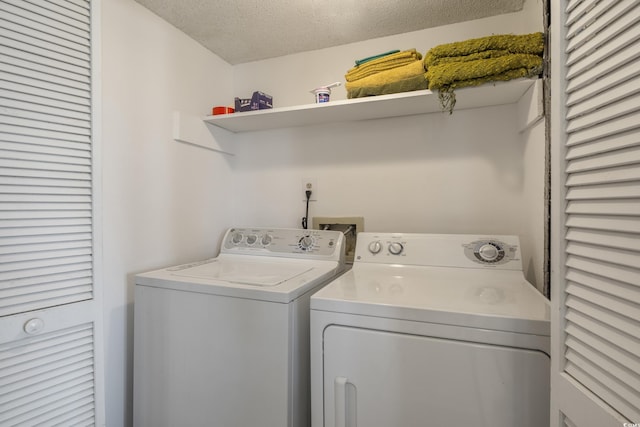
x=619, y=52
x=599, y=21
x=610, y=143
x=28, y=12
x=622, y=15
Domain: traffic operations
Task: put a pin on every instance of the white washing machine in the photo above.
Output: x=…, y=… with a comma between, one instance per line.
x=431, y=330
x=225, y=342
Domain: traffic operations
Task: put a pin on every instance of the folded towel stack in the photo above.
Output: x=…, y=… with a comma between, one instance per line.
x=391, y=72
x=477, y=61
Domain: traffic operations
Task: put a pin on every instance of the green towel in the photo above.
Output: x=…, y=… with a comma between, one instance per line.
x=371, y=58
x=449, y=76
x=487, y=54
x=477, y=61
x=472, y=73
x=528, y=43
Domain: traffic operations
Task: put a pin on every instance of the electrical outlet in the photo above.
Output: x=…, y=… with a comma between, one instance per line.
x=312, y=185
x=350, y=226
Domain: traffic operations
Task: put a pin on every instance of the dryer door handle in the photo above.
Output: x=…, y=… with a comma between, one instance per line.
x=345, y=402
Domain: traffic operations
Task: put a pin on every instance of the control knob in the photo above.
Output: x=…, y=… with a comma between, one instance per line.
x=251, y=239
x=488, y=252
x=236, y=238
x=266, y=239
x=396, y=248
x=375, y=247
x=306, y=242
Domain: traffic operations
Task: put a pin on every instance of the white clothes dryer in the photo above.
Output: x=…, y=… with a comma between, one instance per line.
x=431, y=330
x=225, y=341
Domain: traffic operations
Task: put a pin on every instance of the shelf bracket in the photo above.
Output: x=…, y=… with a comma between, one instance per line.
x=530, y=106
x=193, y=130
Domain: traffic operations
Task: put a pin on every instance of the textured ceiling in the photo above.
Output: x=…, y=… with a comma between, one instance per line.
x=242, y=31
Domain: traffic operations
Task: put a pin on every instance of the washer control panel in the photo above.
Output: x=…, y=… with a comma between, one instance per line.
x=284, y=242
x=439, y=250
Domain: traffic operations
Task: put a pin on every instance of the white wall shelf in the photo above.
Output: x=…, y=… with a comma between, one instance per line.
x=375, y=107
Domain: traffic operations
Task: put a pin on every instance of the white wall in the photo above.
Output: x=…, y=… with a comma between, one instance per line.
x=471, y=172
x=164, y=202
x=290, y=78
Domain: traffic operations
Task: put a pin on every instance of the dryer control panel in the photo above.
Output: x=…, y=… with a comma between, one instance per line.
x=440, y=250
x=490, y=252
x=287, y=242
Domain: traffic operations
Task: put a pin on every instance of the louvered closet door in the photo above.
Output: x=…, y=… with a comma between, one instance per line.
x=47, y=304
x=596, y=212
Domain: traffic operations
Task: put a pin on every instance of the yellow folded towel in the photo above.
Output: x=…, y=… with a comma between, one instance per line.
x=416, y=68
x=382, y=64
x=527, y=43
x=405, y=85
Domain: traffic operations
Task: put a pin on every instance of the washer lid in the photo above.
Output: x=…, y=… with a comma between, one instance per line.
x=255, y=277
x=490, y=299
x=259, y=272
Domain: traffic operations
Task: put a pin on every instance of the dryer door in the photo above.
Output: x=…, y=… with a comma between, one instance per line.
x=380, y=379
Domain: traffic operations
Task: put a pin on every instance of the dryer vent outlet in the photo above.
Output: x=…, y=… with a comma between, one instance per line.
x=350, y=226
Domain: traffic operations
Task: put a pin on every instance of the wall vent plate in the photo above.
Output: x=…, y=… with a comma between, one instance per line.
x=350, y=226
